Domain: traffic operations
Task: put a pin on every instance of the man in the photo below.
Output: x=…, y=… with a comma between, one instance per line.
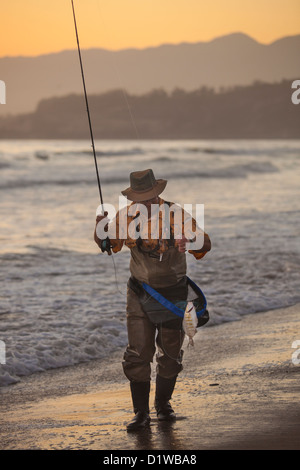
x=160, y=262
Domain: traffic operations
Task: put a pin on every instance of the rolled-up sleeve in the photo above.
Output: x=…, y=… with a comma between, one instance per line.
x=198, y=254
x=197, y=236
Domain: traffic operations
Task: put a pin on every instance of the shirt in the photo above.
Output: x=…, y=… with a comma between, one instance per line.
x=157, y=234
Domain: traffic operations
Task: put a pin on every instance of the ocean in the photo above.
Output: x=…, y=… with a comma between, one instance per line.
x=63, y=302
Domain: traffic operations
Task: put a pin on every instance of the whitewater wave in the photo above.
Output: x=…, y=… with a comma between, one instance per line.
x=60, y=303
x=234, y=171
x=58, y=309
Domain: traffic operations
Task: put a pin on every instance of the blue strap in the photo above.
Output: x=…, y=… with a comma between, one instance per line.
x=162, y=300
x=169, y=305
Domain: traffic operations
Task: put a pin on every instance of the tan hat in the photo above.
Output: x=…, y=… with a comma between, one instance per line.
x=144, y=186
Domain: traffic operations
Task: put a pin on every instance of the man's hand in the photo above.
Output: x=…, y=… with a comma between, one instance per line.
x=181, y=244
x=100, y=217
x=104, y=244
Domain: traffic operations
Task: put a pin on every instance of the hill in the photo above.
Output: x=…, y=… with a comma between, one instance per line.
x=231, y=60
x=261, y=110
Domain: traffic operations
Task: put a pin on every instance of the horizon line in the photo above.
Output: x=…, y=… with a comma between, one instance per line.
x=235, y=33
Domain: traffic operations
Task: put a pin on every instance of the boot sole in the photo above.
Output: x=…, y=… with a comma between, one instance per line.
x=138, y=427
x=166, y=418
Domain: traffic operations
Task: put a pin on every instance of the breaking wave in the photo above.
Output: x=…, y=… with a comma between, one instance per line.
x=234, y=171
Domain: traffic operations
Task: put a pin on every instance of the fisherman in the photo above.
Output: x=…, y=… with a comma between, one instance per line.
x=161, y=264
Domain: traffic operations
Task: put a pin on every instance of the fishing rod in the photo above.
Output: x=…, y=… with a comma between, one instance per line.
x=105, y=246
x=87, y=108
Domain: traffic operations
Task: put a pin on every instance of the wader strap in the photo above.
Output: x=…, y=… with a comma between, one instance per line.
x=169, y=305
x=162, y=300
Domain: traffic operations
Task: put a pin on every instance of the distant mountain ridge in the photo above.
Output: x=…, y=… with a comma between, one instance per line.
x=235, y=59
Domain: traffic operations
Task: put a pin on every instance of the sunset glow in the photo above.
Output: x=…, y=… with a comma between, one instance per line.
x=37, y=27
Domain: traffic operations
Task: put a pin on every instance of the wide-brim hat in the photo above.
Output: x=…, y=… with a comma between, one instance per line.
x=143, y=186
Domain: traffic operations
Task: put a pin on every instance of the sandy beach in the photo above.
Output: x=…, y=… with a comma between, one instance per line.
x=239, y=390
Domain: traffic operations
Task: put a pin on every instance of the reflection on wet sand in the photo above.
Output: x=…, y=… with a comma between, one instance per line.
x=159, y=435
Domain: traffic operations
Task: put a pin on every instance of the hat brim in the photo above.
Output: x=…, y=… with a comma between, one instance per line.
x=139, y=196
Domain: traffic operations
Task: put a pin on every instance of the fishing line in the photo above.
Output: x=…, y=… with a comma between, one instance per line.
x=117, y=73
x=116, y=279
x=164, y=349
x=87, y=107
x=91, y=129
x=90, y=123
x=124, y=93
x=130, y=112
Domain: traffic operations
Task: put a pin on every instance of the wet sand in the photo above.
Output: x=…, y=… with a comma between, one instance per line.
x=239, y=390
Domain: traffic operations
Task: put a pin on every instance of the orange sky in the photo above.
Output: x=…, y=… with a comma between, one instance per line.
x=33, y=27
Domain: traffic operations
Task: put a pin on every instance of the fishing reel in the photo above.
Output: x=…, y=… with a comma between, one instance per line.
x=106, y=246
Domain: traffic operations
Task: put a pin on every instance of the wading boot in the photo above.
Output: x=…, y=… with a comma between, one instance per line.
x=140, y=399
x=164, y=390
